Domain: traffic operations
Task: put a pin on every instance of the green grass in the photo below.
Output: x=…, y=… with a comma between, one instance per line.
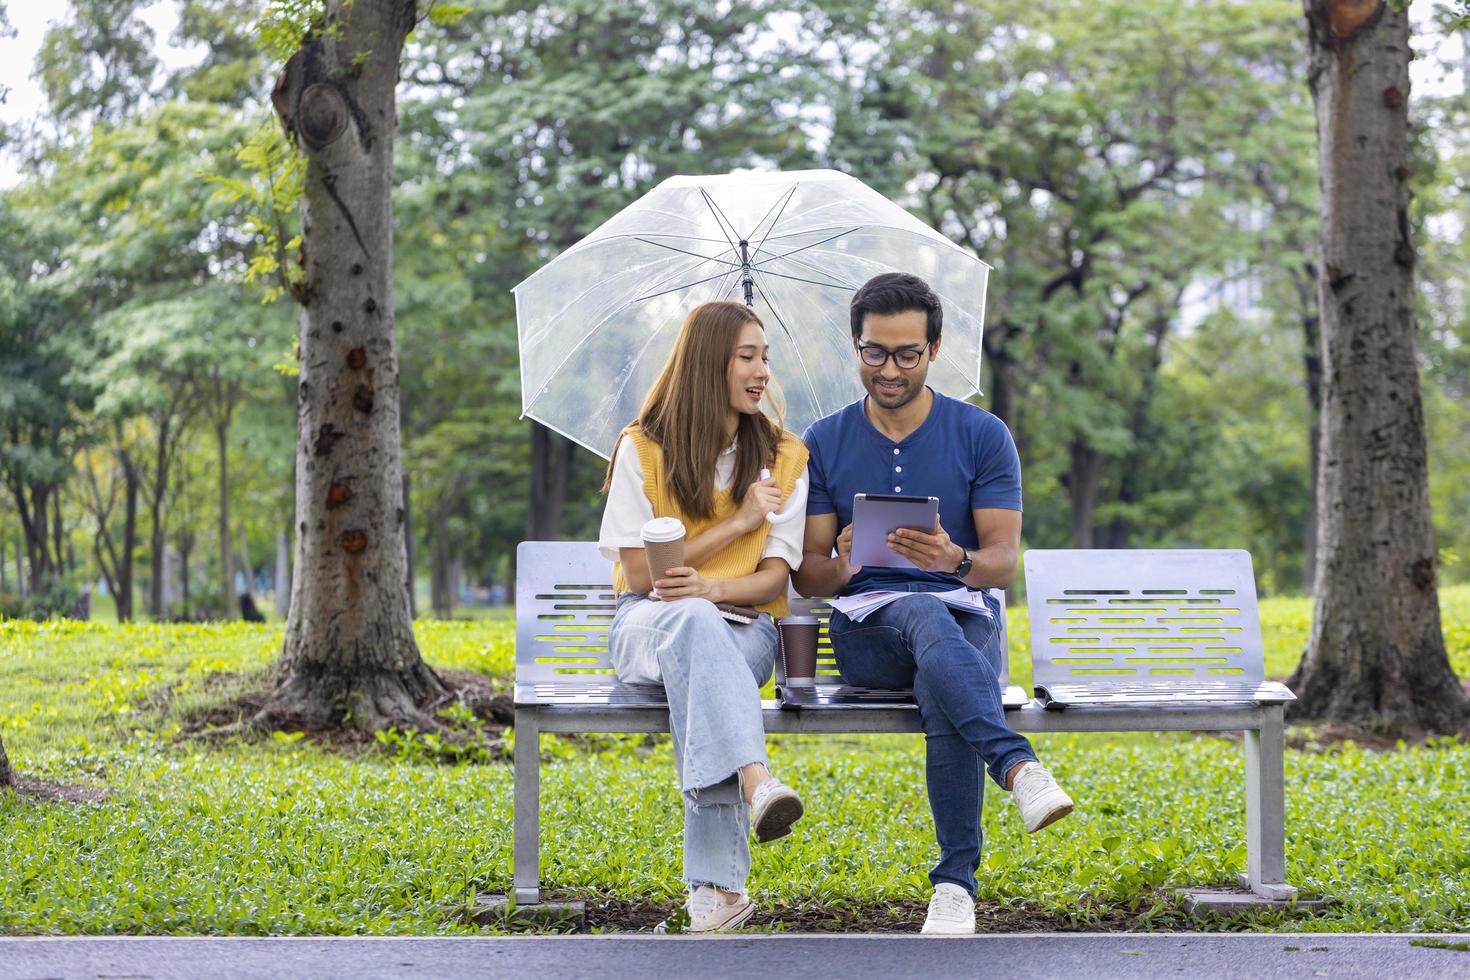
x=283, y=837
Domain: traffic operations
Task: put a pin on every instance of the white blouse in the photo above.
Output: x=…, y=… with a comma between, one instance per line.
x=628, y=507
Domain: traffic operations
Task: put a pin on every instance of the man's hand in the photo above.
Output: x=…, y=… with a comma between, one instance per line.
x=930, y=552
x=844, y=551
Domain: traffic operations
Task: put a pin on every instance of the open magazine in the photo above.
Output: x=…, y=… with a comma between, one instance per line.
x=859, y=607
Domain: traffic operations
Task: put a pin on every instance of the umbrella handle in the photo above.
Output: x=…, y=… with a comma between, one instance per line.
x=794, y=507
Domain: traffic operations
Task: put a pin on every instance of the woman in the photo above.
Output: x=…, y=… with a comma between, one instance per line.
x=698, y=453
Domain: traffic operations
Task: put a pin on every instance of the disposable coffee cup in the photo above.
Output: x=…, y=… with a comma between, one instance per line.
x=663, y=545
x=798, y=639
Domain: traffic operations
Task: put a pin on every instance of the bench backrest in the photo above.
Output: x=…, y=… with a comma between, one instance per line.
x=565, y=604
x=1117, y=619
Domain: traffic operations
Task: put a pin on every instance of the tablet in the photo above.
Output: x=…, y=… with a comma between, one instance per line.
x=875, y=515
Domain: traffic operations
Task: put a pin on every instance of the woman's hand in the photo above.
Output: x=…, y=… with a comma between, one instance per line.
x=686, y=583
x=761, y=498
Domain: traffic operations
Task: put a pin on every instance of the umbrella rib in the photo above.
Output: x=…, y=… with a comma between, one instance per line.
x=830, y=238
x=690, y=238
x=810, y=282
x=806, y=375
x=774, y=221
x=806, y=264
x=720, y=218
x=697, y=255
x=675, y=289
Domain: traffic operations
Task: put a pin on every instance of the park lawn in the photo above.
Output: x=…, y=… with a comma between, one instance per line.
x=286, y=837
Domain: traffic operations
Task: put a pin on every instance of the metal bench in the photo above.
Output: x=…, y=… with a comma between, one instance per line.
x=565, y=682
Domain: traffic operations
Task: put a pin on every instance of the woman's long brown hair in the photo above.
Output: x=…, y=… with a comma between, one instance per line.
x=686, y=408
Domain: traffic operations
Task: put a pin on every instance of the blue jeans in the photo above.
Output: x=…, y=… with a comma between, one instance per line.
x=712, y=671
x=951, y=659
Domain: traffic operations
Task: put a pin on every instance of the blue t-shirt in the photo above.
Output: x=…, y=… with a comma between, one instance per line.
x=961, y=454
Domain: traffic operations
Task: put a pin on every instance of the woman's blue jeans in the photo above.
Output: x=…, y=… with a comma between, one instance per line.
x=951, y=659
x=712, y=671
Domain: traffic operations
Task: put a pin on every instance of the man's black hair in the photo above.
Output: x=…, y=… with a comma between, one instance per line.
x=897, y=292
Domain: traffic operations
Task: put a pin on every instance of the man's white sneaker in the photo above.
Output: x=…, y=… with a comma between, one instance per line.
x=711, y=910
x=951, y=912
x=773, y=809
x=1041, y=800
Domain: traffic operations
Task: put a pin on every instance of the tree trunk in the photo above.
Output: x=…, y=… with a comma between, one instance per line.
x=6, y=776
x=283, y=573
x=1312, y=370
x=439, y=595
x=551, y=460
x=58, y=532
x=1083, y=482
x=349, y=654
x=158, y=539
x=132, y=481
x=1376, y=657
x=413, y=610
x=226, y=550
x=186, y=550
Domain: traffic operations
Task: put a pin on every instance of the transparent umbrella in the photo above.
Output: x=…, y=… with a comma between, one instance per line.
x=597, y=322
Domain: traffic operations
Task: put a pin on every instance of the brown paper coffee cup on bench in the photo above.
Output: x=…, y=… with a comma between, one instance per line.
x=663, y=545
x=798, y=638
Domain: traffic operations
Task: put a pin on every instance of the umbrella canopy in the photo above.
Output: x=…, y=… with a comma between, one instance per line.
x=597, y=322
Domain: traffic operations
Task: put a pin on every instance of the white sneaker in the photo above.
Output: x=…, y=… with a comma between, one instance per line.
x=711, y=910
x=773, y=809
x=1041, y=800
x=951, y=912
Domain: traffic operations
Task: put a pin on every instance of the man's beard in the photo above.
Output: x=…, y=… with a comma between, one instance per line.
x=904, y=395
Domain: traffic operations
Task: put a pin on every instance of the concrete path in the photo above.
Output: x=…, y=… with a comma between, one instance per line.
x=1195, y=956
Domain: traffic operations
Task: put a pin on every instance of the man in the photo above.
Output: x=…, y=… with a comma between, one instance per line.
x=905, y=438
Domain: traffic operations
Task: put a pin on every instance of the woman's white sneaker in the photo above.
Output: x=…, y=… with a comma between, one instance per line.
x=774, y=807
x=951, y=912
x=1041, y=800
x=711, y=910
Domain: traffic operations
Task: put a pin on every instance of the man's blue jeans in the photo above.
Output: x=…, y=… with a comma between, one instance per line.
x=951, y=659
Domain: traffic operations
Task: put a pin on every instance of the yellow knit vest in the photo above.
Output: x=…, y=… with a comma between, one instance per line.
x=740, y=556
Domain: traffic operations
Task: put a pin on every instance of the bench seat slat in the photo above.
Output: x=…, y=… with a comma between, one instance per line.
x=1268, y=692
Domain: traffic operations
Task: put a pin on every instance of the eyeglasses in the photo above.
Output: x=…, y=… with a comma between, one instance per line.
x=875, y=356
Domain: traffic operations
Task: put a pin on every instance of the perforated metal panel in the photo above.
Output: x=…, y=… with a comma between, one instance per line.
x=1128, y=627
x=564, y=606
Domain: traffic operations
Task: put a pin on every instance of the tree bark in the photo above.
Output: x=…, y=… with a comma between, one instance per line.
x=1376, y=657
x=408, y=549
x=349, y=656
x=1312, y=371
x=6, y=775
x=283, y=573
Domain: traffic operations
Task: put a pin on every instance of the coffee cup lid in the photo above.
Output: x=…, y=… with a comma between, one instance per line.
x=800, y=620
x=663, y=529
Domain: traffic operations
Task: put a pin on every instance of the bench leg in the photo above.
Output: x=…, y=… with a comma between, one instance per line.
x=1265, y=809
x=527, y=847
